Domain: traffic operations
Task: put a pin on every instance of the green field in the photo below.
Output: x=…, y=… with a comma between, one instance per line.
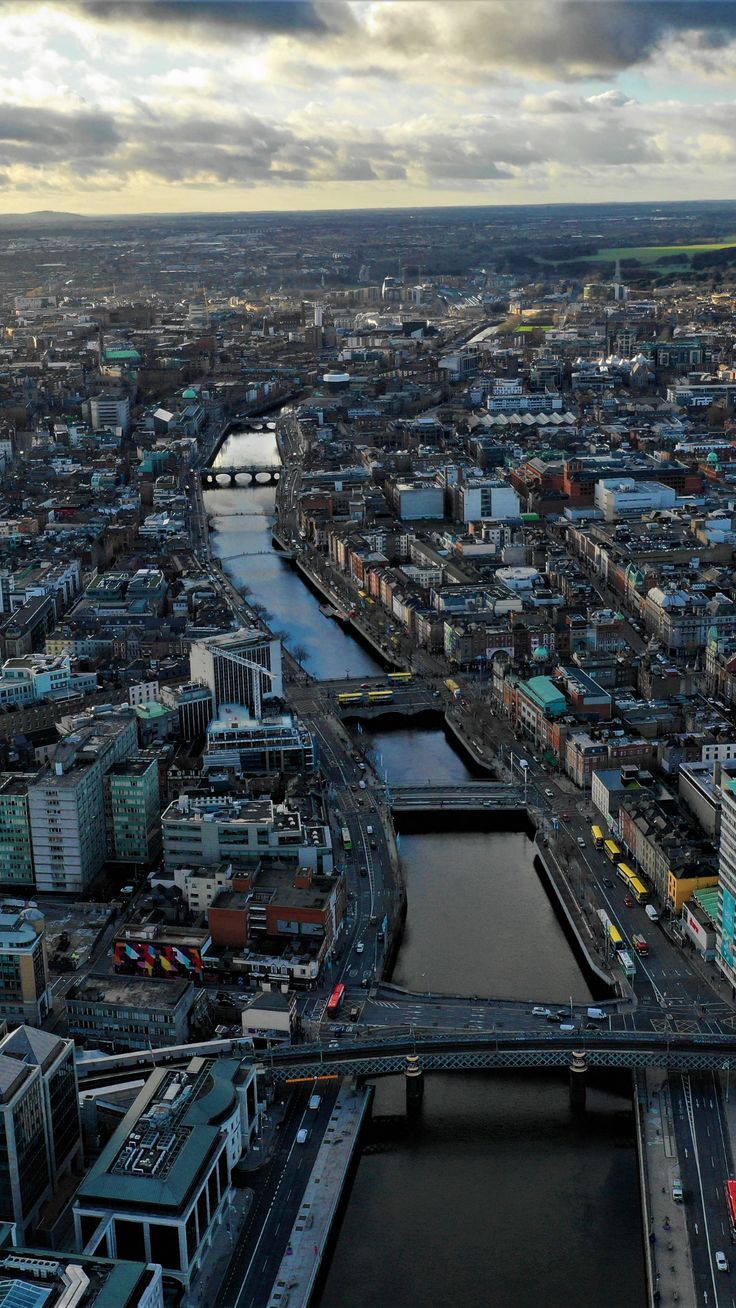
x=648, y=254
x=535, y=327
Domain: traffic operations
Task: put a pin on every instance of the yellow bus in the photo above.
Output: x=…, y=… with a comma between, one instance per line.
x=626, y=873
x=400, y=676
x=613, y=851
x=639, y=890
x=349, y=697
x=380, y=694
x=599, y=839
x=615, y=937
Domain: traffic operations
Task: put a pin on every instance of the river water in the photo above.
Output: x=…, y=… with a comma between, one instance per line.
x=502, y=1198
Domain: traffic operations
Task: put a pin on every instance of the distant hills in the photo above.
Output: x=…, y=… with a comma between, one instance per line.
x=38, y=216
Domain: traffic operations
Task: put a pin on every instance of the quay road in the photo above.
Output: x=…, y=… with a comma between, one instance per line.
x=278, y=1190
x=706, y=1163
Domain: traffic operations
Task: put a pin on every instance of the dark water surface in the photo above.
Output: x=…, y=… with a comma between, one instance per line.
x=501, y=1197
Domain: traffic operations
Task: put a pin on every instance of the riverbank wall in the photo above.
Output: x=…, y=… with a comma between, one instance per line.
x=575, y=926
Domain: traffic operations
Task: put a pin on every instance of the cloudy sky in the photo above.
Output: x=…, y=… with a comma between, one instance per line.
x=121, y=106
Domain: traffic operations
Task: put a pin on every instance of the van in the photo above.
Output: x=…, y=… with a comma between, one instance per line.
x=677, y=1190
x=597, y=1014
x=314, y=1102
x=651, y=913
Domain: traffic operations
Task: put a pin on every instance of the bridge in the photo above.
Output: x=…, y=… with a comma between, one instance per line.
x=213, y=477
x=369, y=1056
x=468, y=797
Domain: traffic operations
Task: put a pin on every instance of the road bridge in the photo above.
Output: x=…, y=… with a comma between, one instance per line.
x=213, y=477
x=477, y=1051
x=468, y=797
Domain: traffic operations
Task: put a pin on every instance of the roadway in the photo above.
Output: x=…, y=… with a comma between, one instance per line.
x=706, y=1164
x=278, y=1191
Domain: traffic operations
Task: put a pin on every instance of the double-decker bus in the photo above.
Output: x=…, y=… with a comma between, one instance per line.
x=731, y=1204
x=379, y=695
x=349, y=697
x=335, y=1001
x=625, y=873
x=638, y=890
x=613, y=851
x=400, y=676
x=347, y=841
x=615, y=937
x=640, y=945
x=599, y=839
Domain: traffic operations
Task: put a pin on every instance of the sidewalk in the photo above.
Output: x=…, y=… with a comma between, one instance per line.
x=217, y=1258
x=668, y=1253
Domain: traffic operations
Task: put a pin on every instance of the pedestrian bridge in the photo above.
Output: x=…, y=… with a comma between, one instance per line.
x=371, y=1056
x=226, y=476
x=468, y=797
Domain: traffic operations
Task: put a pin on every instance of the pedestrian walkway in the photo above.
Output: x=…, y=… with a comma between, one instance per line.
x=301, y=1263
x=667, y=1248
x=205, y=1289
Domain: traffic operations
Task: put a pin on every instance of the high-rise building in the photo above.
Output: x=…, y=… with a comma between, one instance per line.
x=193, y=704
x=109, y=411
x=40, y=1129
x=240, y=667
x=16, y=851
x=25, y=994
x=133, y=809
x=67, y=805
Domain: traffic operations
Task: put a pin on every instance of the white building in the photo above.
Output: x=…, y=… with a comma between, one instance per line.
x=478, y=499
x=67, y=805
x=34, y=677
x=414, y=501
x=239, y=742
x=109, y=411
x=622, y=497
x=240, y=667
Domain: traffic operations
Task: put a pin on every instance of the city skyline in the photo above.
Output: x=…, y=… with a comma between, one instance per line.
x=135, y=106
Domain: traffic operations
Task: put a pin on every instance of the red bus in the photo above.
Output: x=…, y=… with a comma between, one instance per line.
x=334, y=1003
x=640, y=945
x=731, y=1200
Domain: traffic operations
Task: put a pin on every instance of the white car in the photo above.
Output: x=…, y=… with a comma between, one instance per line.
x=721, y=1261
x=549, y=792
x=581, y=842
x=302, y=1135
x=359, y=947
x=541, y=1012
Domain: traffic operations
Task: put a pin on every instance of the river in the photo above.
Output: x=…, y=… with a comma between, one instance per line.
x=502, y=1197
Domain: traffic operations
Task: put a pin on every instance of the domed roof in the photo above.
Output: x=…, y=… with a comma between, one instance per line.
x=541, y=653
x=712, y=457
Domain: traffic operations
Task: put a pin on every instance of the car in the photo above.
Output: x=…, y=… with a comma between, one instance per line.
x=721, y=1261
x=563, y=1013
x=628, y=901
x=549, y=792
x=365, y=685
x=581, y=843
x=364, y=871
x=353, y=785
x=374, y=845
x=608, y=883
x=538, y=1011
x=359, y=947
x=566, y=817
x=302, y=1135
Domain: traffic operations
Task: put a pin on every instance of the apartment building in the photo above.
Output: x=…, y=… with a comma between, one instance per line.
x=25, y=994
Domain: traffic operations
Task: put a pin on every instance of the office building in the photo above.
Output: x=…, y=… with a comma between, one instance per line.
x=67, y=805
x=241, y=667
x=16, y=850
x=36, y=1278
x=25, y=994
x=476, y=500
x=133, y=810
x=109, y=411
x=161, y=1187
x=210, y=831
x=240, y=743
x=193, y=704
x=130, y=1012
x=40, y=1129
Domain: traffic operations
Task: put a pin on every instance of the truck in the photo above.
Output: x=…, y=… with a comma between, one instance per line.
x=651, y=913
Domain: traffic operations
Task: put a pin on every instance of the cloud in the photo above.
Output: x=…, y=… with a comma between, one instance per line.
x=215, y=20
